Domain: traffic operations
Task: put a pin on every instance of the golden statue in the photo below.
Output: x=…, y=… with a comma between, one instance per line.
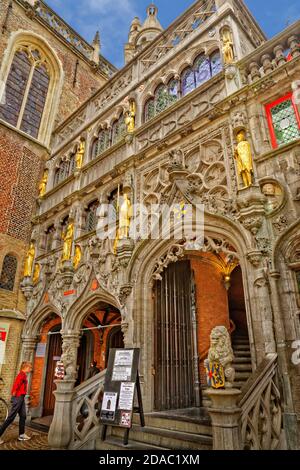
x=227, y=48
x=29, y=261
x=67, y=237
x=130, y=117
x=43, y=184
x=36, y=274
x=124, y=217
x=243, y=156
x=77, y=257
x=80, y=155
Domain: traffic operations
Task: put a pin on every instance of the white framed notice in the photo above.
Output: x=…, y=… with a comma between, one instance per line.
x=126, y=396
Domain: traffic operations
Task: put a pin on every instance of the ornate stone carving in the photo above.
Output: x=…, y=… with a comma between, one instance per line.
x=281, y=223
x=221, y=351
x=69, y=355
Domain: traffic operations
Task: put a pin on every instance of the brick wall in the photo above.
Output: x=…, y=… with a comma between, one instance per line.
x=9, y=370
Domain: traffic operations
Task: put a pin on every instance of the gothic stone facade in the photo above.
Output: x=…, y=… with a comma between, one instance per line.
x=191, y=99
x=24, y=148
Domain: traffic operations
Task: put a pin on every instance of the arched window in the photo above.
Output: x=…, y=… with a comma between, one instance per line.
x=164, y=96
x=102, y=143
x=118, y=130
x=26, y=90
x=203, y=69
x=72, y=164
x=91, y=216
x=8, y=273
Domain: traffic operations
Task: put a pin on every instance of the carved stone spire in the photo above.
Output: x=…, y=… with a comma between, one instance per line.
x=97, y=47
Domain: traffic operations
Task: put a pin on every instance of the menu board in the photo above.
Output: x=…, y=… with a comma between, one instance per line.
x=119, y=388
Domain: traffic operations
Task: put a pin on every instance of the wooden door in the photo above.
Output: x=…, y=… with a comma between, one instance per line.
x=174, y=377
x=115, y=340
x=54, y=354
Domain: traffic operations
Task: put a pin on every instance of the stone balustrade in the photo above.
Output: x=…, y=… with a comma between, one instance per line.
x=273, y=54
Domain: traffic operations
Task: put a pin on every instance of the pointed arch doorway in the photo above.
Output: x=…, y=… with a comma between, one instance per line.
x=175, y=346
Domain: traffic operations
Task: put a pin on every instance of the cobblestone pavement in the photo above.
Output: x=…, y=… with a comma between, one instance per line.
x=38, y=440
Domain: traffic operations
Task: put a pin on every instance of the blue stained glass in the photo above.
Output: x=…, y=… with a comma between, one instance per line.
x=216, y=63
x=173, y=91
x=188, y=82
x=202, y=70
x=196, y=24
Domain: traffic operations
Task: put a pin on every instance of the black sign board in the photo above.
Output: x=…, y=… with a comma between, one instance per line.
x=121, y=383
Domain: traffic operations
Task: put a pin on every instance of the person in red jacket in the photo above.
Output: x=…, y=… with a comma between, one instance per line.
x=18, y=393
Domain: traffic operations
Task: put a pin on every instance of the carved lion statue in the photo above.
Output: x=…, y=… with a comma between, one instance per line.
x=221, y=351
x=69, y=360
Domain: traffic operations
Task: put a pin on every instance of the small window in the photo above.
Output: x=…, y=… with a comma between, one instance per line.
x=8, y=274
x=91, y=216
x=102, y=143
x=149, y=112
x=283, y=120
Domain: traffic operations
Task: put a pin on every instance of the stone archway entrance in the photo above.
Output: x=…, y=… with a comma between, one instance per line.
x=195, y=294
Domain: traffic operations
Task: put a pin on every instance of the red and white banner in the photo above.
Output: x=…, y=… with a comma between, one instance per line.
x=4, y=328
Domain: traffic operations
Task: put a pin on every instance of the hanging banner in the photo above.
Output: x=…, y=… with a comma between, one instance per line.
x=4, y=328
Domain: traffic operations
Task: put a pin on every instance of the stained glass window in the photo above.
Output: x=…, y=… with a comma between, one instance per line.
x=102, y=143
x=283, y=120
x=216, y=63
x=161, y=99
x=26, y=91
x=149, y=110
x=173, y=89
x=8, y=273
x=91, y=217
x=118, y=130
x=188, y=81
x=72, y=164
x=202, y=70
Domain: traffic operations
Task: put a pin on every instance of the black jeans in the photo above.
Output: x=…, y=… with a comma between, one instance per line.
x=18, y=406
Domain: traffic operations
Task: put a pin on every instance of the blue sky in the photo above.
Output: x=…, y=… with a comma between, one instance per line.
x=113, y=18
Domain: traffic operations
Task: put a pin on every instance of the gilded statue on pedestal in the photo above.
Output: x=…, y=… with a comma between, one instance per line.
x=67, y=237
x=227, y=48
x=77, y=257
x=124, y=217
x=80, y=154
x=243, y=156
x=29, y=261
x=130, y=117
x=43, y=184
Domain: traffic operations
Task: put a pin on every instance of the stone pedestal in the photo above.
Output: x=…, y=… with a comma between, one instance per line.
x=60, y=433
x=225, y=417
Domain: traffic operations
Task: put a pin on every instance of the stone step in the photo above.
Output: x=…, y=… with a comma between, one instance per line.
x=116, y=443
x=241, y=347
x=166, y=438
x=242, y=360
x=240, y=341
x=243, y=367
x=240, y=384
x=243, y=354
x=193, y=425
x=242, y=375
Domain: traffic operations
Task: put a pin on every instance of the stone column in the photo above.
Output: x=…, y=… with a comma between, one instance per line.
x=28, y=353
x=289, y=416
x=225, y=418
x=61, y=429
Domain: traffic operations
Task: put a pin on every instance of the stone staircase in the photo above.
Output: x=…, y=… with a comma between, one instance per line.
x=163, y=431
x=242, y=359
